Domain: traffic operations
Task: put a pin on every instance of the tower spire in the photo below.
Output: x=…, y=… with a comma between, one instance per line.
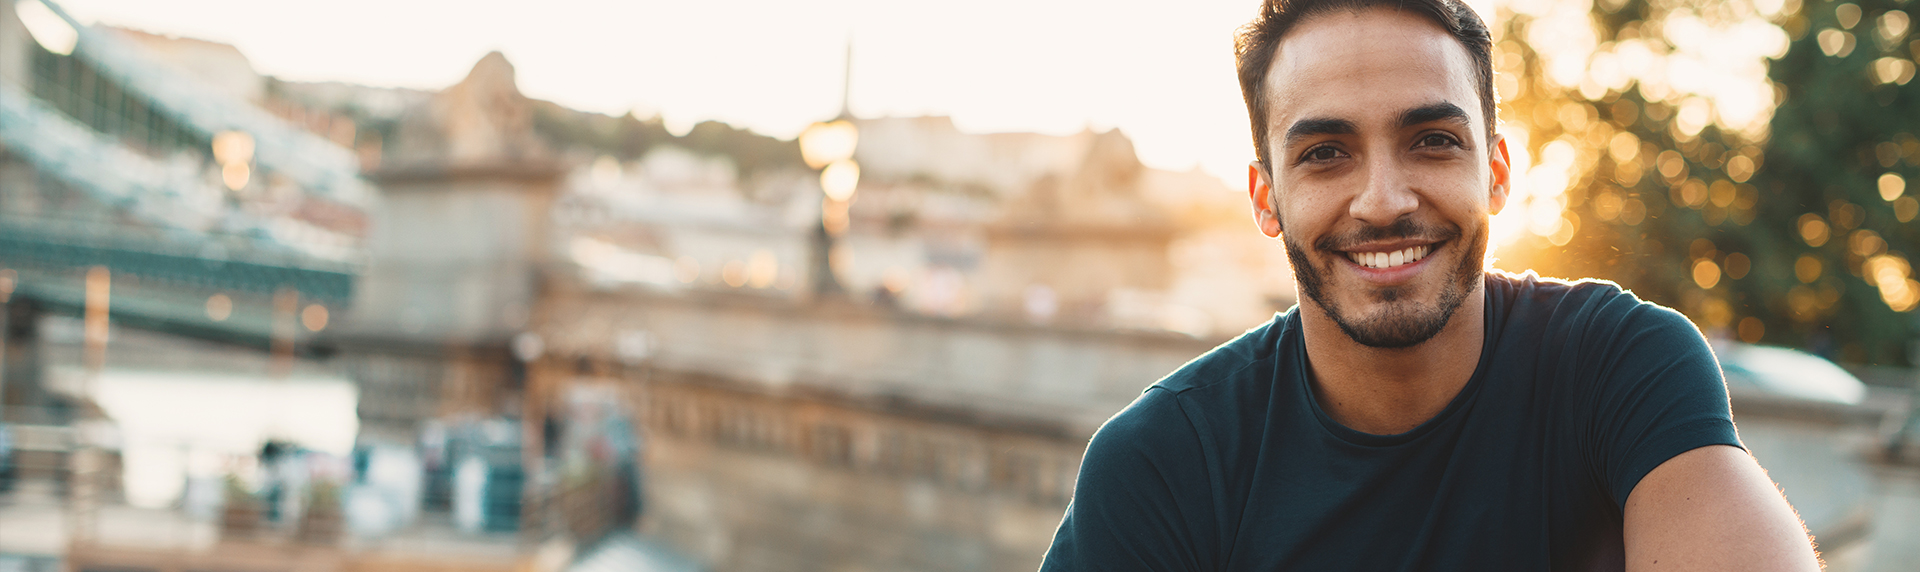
x=846, y=82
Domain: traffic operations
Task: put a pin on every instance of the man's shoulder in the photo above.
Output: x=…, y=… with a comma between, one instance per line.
x=1528, y=287
x=1177, y=422
x=1236, y=359
x=1591, y=329
x=1555, y=307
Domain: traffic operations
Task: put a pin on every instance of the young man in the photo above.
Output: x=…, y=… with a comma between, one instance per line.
x=1416, y=412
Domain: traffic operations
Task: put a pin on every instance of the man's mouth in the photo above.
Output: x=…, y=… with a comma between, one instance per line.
x=1402, y=257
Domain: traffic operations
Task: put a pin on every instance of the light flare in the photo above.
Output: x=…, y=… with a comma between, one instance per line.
x=47, y=28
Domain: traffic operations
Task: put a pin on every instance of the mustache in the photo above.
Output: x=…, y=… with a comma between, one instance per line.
x=1400, y=229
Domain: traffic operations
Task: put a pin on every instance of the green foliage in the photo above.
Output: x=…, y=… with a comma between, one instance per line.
x=750, y=151
x=625, y=138
x=1838, y=131
x=629, y=138
x=1711, y=223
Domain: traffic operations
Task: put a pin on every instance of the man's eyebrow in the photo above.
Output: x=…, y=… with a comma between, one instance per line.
x=1305, y=128
x=1432, y=112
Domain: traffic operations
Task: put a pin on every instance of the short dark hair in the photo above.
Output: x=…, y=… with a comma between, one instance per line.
x=1254, y=45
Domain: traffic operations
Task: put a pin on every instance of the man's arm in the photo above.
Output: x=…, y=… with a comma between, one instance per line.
x=1713, y=508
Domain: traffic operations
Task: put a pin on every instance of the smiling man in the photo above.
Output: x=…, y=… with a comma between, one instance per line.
x=1416, y=411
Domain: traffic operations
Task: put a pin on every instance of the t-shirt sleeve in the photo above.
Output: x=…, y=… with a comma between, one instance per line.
x=1142, y=501
x=1660, y=393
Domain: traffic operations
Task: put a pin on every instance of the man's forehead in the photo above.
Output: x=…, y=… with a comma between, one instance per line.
x=1367, y=64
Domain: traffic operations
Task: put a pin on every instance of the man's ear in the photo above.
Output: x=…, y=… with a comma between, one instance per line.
x=1259, y=192
x=1502, y=171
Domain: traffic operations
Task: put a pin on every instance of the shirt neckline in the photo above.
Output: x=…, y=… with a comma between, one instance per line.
x=1302, y=376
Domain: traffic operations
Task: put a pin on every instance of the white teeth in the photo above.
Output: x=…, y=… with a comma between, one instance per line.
x=1407, y=255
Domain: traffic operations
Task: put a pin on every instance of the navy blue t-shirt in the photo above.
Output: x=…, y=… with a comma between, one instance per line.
x=1231, y=464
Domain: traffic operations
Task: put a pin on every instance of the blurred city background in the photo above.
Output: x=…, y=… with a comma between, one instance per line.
x=746, y=286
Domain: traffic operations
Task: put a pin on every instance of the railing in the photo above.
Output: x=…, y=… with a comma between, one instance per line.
x=171, y=199
x=212, y=267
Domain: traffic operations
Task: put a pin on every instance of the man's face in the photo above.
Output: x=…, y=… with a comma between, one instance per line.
x=1381, y=170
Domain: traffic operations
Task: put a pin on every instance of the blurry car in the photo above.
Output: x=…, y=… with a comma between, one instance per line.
x=1787, y=373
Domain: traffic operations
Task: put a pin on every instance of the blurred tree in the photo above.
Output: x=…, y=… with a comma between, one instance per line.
x=751, y=152
x=1648, y=151
x=1836, y=198
x=629, y=138
x=625, y=138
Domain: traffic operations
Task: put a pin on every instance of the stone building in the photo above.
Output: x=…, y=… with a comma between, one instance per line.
x=1053, y=229
x=457, y=250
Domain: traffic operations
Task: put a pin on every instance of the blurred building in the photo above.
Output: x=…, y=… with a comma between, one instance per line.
x=176, y=245
x=556, y=328
x=212, y=65
x=1029, y=228
x=1003, y=294
x=456, y=253
x=208, y=217
x=506, y=264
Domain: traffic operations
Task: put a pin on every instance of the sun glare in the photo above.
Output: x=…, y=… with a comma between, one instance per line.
x=47, y=28
x=1707, y=65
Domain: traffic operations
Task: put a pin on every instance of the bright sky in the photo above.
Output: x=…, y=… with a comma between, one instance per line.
x=1160, y=71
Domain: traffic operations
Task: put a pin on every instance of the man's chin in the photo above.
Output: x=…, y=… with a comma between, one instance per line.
x=1394, y=325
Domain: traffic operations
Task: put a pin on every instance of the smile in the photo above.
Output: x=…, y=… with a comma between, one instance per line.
x=1404, y=256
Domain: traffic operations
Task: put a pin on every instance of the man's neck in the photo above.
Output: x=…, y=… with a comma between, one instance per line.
x=1388, y=391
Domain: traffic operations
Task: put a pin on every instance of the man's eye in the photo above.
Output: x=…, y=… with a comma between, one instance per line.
x=1438, y=140
x=1322, y=154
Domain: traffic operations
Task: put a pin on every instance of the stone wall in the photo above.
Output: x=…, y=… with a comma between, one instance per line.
x=748, y=482
x=1077, y=376
x=790, y=436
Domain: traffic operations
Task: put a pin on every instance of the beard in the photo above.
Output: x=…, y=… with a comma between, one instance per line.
x=1400, y=322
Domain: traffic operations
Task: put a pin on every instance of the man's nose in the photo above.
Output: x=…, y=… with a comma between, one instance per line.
x=1387, y=195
